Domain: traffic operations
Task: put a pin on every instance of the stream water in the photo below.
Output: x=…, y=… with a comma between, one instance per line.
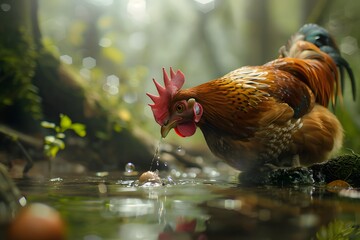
x=113, y=205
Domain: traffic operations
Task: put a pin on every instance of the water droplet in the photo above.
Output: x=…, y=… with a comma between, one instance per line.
x=170, y=181
x=180, y=151
x=22, y=201
x=102, y=174
x=58, y=179
x=102, y=188
x=129, y=167
x=156, y=155
x=130, y=170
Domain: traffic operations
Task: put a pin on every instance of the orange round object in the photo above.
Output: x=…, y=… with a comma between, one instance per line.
x=37, y=222
x=337, y=185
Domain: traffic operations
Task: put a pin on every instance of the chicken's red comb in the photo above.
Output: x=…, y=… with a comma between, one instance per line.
x=160, y=107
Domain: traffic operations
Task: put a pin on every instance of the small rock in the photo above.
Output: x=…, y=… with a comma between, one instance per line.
x=344, y=167
x=337, y=186
x=149, y=176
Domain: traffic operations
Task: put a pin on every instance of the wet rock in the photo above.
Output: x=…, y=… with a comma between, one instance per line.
x=290, y=177
x=278, y=177
x=149, y=176
x=344, y=167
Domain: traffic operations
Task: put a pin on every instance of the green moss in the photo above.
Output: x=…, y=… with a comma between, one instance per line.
x=278, y=177
x=17, y=68
x=345, y=167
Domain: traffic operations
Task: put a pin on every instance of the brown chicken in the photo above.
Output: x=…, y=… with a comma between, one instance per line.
x=275, y=114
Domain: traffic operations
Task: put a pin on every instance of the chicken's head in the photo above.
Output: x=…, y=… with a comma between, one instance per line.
x=182, y=115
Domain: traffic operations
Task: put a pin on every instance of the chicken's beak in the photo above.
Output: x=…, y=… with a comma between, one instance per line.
x=165, y=129
x=174, y=120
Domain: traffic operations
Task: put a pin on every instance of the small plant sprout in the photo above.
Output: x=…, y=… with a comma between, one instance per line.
x=54, y=143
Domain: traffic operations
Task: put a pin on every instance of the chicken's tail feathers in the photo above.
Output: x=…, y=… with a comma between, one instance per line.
x=317, y=36
x=343, y=66
x=322, y=39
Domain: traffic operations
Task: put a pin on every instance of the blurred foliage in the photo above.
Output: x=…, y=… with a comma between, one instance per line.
x=17, y=67
x=129, y=41
x=98, y=60
x=54, y=143
x=339, y=230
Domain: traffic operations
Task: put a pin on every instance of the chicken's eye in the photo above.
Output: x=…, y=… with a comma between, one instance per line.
x=180, y=108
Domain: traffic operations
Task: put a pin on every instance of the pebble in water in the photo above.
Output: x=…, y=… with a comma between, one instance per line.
x=149, y=176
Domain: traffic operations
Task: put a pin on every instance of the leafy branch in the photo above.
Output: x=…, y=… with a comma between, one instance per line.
x=54, y=143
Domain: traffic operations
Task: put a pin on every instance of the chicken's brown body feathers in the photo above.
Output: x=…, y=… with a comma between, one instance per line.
x=270, y=113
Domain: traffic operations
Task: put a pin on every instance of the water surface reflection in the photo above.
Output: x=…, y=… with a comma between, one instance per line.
x=115, y=206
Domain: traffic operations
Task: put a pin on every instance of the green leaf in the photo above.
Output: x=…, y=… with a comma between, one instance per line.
x=51, y=151
x=46, y=124
x=117, y=127
x=60, y=135
x=338, y=230
x=79, y=129
x=49, y=139
x=53, y=141
x=65, y=122
x=60, y=143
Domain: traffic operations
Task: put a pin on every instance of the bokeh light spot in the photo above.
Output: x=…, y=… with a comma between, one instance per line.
x=89, y=62
x=5, y=7
x=85, y=73
x=130, y=98
x=205, y=5
x=103, y=3
x=105, y=42
x=113, y=80
x=349, y=45
x=66, y=59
